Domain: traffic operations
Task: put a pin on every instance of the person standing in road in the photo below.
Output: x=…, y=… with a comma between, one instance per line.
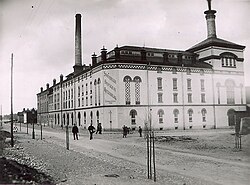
x=125, y=131
x=75, y=132
x=140, y=131
x=91, y=129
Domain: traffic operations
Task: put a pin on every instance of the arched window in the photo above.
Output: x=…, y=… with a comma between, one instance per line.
x=190, y=115
x=58, y=119
x=72, y=118
x=91, y=117
x=64, y=119
x=203, y=115
x=230, y=91
x=133, y=113
x=127, y=80
x=137, y=81
x=67, y=118
x=160, y=114
x=79, y=118
x=99, y=91
x=176, y=113
x=84, y=118
x=97, y=117
x=95, y=83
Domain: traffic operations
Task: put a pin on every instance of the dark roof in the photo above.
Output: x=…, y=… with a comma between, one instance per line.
x=213, y=41
x=150, y=49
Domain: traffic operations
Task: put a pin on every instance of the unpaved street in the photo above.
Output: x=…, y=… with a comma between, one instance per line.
x=87, y=162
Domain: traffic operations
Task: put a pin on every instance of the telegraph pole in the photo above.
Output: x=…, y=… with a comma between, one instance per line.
x=1, y=116
x=11, y=102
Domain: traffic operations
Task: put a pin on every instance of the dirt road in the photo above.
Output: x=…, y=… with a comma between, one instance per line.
x=126, y=157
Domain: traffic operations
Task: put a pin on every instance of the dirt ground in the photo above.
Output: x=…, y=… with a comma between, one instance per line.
x=182, y=157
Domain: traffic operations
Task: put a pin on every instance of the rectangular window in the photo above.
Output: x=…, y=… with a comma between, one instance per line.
x=202, y=85
x=90, y=88
x=174, y=83
x=79, y=91
x=71, y=93
x=175, y=98
x=160, y=98
x=90, y=100
x=82, y=101
x=203, y=98
x=86, y=89
x=159, y=83
x=79, y=102
x=189, y=87
x=86, y=101
x=189, y=98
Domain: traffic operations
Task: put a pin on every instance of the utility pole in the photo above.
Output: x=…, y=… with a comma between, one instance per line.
x=11, y=102
x=110, y=119
x=67, y=132
x=1, y=116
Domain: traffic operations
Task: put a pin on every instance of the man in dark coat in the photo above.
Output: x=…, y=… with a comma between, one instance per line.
x=75, y=132
x=91, y=129
x=140, y=131
x=99, y=128
x=125, y=131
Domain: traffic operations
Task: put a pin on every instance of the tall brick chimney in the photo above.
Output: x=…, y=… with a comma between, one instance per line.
x=78, y=45
x=210, y=17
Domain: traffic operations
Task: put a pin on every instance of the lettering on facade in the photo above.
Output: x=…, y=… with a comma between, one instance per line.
x=109, y=88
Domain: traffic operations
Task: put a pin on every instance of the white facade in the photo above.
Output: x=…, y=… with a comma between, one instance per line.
x=197, y=88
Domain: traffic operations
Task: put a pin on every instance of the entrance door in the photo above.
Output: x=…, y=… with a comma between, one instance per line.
x=231, y=117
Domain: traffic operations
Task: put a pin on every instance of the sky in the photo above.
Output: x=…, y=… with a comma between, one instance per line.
x=40, y=34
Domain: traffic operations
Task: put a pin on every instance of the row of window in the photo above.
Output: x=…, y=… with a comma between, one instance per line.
x=175, y=84
x=175, y=98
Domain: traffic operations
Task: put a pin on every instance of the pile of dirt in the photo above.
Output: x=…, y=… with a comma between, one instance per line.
x=174, y=138
x=15, y=173
x=4, y=134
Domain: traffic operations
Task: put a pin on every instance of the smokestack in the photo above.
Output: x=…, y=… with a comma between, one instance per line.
x=117, y=53
x=54, y=82
x=210, y=17
x=47, y=85
x=61, y=78
x=94, y=59
x=104, y=54
x=41, y=89
x=78, y=45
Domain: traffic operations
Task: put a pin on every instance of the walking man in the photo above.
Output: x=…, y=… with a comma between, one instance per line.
x=75, y=132
x=140, y=131
x=91, y=129
x=99, y=128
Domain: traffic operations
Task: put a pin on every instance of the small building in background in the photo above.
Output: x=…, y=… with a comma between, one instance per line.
x=29, y=116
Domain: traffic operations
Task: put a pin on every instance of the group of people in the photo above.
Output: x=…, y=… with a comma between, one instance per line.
x=92, y=130
x=126, y=129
